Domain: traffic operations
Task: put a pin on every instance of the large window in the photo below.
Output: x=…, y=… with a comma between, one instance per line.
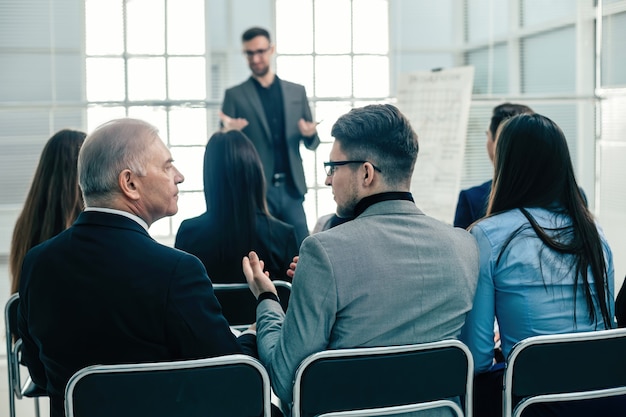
x=339, y=50
x=158, y=65
x=152, y=65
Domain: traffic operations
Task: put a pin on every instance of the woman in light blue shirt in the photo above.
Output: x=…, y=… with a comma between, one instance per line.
x=545, y=265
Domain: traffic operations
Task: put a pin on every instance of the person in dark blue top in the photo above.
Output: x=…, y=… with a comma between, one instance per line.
x=472, y=203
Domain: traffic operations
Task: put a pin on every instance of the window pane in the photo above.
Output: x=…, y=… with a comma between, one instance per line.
x=189, y=161
x=371, y=29
x=333, y=76
x=190, y=204
x=543, y=71
x=614, y=50
x=188, y=126
x=371, y=76
x=332, y=26
x=297, y=69
x=323, y=150
x=327, y=112
x=104, y=27
x=99, y=115
x=535, y=12
x=323, y=201
x=490, y=69
x=486, y=19
x=185, y=27
x=187, y=78
x=294, y=35
x=145, y=26
x=161, y=227
x=477, y=167
x=146, y=79
x=105, y=79
x=156, y=116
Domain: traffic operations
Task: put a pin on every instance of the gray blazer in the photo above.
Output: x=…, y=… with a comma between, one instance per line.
x=391, y=276
x=243, y=101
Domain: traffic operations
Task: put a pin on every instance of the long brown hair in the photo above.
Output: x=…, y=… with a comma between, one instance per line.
x=533, y=168
x=234, y=191
x=53, y=201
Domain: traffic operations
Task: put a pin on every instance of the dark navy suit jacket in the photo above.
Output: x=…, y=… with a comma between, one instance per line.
x=472, y=205
x=105, y=292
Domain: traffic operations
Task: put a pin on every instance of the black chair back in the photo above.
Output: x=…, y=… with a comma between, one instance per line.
x=233, y=385
x=385, y=377
x=239, y=305
x=551, y=368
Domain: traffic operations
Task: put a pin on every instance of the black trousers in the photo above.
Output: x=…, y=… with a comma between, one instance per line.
x=285, y=204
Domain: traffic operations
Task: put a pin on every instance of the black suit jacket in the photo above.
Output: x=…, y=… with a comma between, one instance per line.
x=275, y=244
x=104, y=292
x=243, y=101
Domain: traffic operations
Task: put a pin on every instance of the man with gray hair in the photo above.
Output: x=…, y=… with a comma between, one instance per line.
x=103, y=291
x=391, y=276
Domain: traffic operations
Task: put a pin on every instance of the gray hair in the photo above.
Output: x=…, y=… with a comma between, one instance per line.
x=111, y=148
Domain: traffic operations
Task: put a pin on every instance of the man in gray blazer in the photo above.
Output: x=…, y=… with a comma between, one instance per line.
x=276, y=116
x=391, y=276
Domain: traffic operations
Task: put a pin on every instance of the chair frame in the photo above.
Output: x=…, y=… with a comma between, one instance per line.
x=234, y=359
x=281, y=286
x=389, y=351
x=16, y=389
x=589, y=389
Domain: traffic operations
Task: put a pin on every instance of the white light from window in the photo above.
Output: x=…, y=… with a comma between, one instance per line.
x=187, y=78
x=146, y=78
x=104, y=27
x=145, y=26
x=185, y=27
x=105, y=79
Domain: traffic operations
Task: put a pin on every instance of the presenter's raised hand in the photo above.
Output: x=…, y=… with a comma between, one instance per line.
x=232, y=123
x=307, y=129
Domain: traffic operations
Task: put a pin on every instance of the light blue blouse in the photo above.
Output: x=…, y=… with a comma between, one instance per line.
x=530, y=290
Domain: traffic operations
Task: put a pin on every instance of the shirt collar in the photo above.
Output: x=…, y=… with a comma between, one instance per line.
x=377, y=198
x=131, y=216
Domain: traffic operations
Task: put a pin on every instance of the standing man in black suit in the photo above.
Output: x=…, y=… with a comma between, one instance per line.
x=103, y=291
x=276, y=116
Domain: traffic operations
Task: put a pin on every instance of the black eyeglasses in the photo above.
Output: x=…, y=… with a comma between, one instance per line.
x=332, y=165
x=251, y=54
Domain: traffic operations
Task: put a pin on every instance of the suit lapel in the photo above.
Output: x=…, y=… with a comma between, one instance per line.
x=253, y=97
x=288, y=109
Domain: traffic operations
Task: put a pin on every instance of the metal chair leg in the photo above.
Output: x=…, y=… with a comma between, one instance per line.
x=36, y=406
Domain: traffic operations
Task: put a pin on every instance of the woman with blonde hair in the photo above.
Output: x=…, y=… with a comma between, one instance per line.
x=53, y=202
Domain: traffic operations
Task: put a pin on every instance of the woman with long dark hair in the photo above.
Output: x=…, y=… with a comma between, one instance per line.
x=54, y=200
x=237, y=220
x=546, y=267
